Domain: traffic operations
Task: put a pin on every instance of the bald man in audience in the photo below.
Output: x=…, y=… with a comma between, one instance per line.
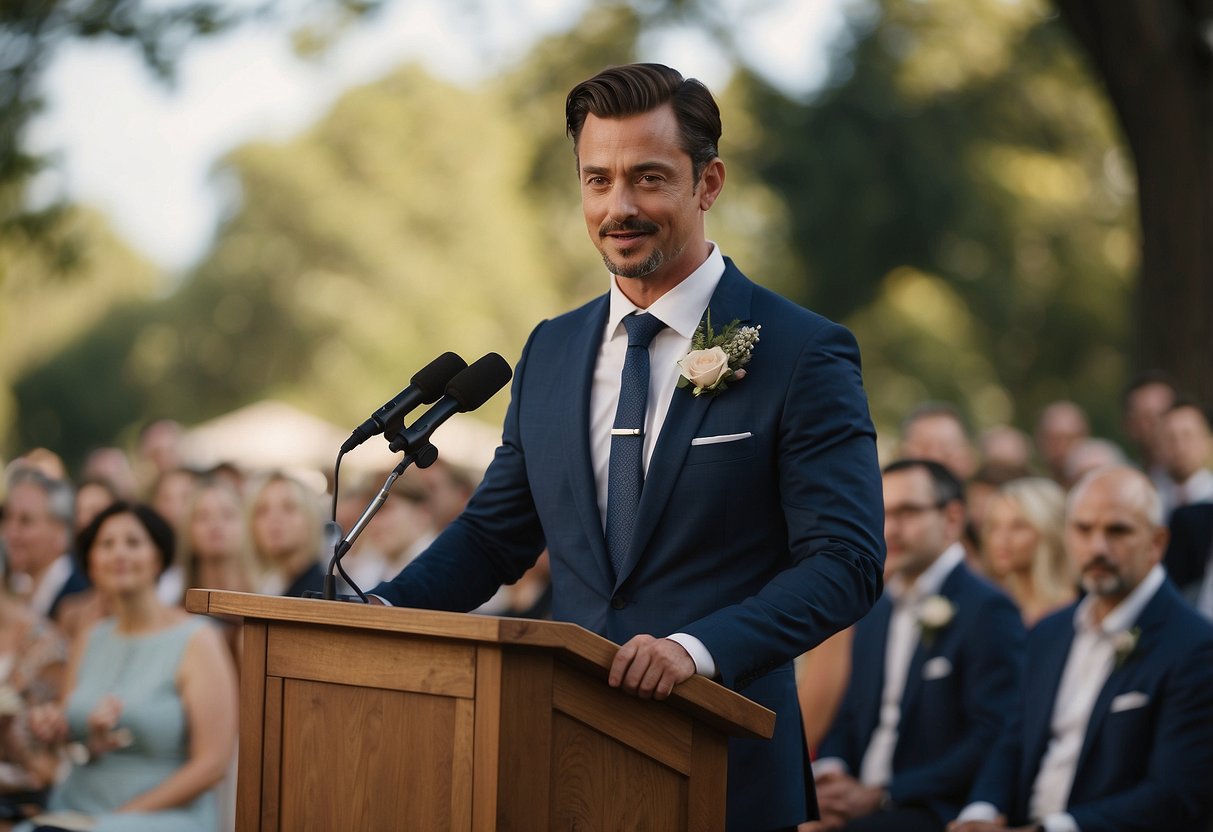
x=1114, y=728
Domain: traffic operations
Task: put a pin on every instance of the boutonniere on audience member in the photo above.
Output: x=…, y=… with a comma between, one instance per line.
x=1124, y=643
x=935, y=613
x=717, y=357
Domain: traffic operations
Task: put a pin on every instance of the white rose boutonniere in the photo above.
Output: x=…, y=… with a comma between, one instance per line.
x=934, y=613
x=1124, y=643
x=717, y=357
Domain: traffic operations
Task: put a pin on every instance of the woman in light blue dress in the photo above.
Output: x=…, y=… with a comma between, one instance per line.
x=150, y=716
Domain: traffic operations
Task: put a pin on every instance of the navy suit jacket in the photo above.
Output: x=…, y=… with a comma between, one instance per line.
x=1191, y=546
x=761, y=548
x=1147, y=759
x=962, y=681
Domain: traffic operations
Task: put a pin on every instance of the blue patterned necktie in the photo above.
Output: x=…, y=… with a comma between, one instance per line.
x=626, y=475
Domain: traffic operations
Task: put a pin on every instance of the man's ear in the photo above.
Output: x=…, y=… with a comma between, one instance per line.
x=711, y=182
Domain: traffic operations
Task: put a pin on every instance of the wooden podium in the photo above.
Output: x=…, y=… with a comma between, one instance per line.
x=371, y=718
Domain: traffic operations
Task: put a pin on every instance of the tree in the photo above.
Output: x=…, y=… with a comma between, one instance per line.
x=1155, y=59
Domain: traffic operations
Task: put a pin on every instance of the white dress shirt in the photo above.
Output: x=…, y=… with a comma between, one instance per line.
x=876, y=767
x=680, y=309
x=1091, y=660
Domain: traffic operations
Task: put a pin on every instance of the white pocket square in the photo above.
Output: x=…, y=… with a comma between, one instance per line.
x=1128, y=701
x=937, y=668
x=716, y=440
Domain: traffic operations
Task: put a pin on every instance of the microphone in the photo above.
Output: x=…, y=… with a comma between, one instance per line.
x=466, y=391
x=424, y=388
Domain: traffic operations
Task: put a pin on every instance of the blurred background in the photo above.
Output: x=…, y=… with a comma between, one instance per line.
x=210, y=209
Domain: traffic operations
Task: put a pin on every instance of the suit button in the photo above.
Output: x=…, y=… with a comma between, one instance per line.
x=618, y=603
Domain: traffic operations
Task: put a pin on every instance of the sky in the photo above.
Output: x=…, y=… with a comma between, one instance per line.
x=143, y=152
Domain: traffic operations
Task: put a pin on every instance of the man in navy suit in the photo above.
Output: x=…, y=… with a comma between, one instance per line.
x=1189, y=552
x=1115, y=727
x=754, y=534
x=934, y=670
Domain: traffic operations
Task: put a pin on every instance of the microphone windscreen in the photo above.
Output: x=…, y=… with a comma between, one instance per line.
x=432, y=379
x=479, y=382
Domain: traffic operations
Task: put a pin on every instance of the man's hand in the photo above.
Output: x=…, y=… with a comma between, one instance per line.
x=650, y=667
x=841, y=798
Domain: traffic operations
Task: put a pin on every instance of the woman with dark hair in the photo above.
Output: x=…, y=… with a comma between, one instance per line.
x=151, y=695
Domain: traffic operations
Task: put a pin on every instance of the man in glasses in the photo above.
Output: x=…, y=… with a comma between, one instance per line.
x=935, y=668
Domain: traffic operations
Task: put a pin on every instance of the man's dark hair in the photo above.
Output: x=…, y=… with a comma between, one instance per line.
x=158, y=529
x=631, y=89
x=947, y=486
x=1146, y=378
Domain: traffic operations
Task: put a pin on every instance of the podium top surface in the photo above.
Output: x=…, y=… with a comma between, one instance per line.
x=701, y=698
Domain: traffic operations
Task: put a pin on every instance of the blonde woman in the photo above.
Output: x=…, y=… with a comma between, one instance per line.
x=1022, y=546
x=287, y=530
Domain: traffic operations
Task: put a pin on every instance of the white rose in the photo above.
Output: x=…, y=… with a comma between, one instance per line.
x=936, y=612
x=705, y=368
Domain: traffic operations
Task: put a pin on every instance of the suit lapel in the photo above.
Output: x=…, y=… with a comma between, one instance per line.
x=730, y=301
x=950, y=589
x=583, y=355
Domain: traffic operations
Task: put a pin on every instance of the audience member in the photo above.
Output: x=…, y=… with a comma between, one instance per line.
x=112, y=466
x=1185, y=443
x=287, y=532
x=158, y=449
x=401, y=531
x=38, y=517
x=92, y=496
x=447, y=491
x=1062, y=425
x=1006, y=447
x=1090, y=455
x=152, y=707
x=1146, y=398
x=171, y=493
x=979, y=490
x=33, y=658
x=43, y=460
x=1189, y=553
x=934, y=670
x=1115, y=727
x=1022, y=546
x=936, y=431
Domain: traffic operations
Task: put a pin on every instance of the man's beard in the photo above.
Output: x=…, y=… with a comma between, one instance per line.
x=1104, y=586
x=644, y=268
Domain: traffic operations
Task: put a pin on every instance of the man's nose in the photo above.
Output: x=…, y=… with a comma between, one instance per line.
x=622, y=203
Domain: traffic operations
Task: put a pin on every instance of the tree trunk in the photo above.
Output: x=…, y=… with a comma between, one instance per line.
x=1155, y=61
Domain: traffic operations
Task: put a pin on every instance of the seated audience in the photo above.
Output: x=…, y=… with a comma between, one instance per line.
x=1146, y=398
x=1114, y=729
x=1186, y=444
x=287, y=531
x=33, y=657
x=934, y=671
x=1189, y=553
x=936, y=431
x=1062, y=425
x=151, y=713
x=401, y=531
x=1087, y=456
x=92, y=495
x=1005, y=446
x=38, y=517
x=1022, y=549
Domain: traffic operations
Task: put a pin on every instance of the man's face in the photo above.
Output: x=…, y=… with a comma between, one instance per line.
x=1111, y=541
x=643, y=208
x=1184, y=442
x=939, y=438
x=1143, y=410
x=916, y=528
x=1059, y=430
x=34, y=537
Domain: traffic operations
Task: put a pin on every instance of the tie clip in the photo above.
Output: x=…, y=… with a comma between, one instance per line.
x=625, y=431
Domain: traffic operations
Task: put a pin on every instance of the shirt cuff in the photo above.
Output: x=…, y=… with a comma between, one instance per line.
x=382, y=600
x=705, y=665
x=979, y=811
x=1061, y=822
x=829, y=765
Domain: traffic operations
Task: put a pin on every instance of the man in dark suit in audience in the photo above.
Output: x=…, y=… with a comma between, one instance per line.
x=39, y=515
x=935, y=669
x=1114, y=730
x=1189, y=553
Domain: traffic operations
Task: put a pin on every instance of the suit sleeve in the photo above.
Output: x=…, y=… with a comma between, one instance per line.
x=1188, y=549
x=492, y=542
x=830, y=491
x=1175, y=793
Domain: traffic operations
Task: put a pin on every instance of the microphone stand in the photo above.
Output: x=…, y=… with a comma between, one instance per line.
x=423, y=457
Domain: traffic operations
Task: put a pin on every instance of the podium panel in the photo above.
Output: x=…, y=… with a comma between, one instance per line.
x=368, y=718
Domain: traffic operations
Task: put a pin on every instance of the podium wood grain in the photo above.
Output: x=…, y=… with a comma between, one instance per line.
x=367, y=718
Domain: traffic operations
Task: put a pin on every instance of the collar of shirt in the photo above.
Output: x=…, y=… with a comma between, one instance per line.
x=680, y=309
x=930, y=581
x=1124, y=614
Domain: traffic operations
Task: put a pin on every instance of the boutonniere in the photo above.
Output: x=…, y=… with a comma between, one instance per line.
x=935, y=613
x=1124, y=643
x=717, y=357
